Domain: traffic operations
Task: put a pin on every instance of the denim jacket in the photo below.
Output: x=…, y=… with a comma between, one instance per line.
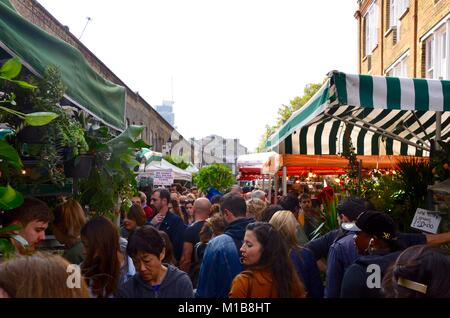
x=342, y=254
x=221, y=262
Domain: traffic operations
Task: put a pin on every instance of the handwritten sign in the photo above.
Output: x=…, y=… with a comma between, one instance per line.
x=163, y=177
x=427, y=221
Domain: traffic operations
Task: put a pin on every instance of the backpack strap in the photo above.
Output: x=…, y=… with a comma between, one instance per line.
x=196, y=248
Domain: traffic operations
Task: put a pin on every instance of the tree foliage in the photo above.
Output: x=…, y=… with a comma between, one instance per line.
x=286, y=111
x=216, y=176
x=177, y=161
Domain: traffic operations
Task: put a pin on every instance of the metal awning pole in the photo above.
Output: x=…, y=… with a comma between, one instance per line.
x=269, y=197
x=275, y=185
x=284, y=180
x=438, y=130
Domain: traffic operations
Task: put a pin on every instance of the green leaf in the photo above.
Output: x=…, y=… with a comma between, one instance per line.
x=11, y=69
x=130, y=134
x=24, y=84
x=6, y=248
x=8, y=153
x=10, y=228
x=39, y=118
x=141, y=144
x=10, y=198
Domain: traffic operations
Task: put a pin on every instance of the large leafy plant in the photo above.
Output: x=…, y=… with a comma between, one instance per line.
x=113, y=178
x=10, y=162
x=328, y=212
x=216, y=176
x=440, y=162
x=65, y=135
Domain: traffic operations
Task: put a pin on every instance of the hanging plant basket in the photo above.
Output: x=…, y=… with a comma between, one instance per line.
x=33, y=135
x=79, y=167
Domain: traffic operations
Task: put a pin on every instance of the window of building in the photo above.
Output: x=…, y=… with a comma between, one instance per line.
x=370, y=28
x=128, y=122
x=437, y=63
x=399, y=68
x=396, y=10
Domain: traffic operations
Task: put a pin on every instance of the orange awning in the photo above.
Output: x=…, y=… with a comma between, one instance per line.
x=320, y=164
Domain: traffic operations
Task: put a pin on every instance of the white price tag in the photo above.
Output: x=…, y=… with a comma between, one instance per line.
x=427, y=221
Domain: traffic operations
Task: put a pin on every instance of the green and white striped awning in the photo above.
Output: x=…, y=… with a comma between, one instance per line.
x=148, y=155
x=382, y=115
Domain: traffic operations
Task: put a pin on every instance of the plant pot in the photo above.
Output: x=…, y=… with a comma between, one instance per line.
x=33, y=135
x=79, y=167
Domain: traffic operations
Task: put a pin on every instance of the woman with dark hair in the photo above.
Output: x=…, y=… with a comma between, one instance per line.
x=105, y=267
x=189, y=212
x=420, y=271
x=269, y=271
x=67, y=224
x=154, y=279
x=134, y=218
x=169, y=258
x=177, y=210
x=270, y=211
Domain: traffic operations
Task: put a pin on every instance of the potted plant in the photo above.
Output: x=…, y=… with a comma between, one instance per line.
x=10, y=162
x=112, y=179
x=79, y=166
x=32, y=135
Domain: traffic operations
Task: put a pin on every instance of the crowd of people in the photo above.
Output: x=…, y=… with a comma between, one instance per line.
x=177, y=243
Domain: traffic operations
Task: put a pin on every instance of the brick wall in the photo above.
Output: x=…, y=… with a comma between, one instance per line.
x=430, y=14
x=421, y=18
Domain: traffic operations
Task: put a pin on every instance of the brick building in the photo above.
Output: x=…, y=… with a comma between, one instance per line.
x=157, y=130
x=404, y=38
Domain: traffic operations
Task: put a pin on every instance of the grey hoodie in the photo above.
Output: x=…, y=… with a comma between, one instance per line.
x=176, y=284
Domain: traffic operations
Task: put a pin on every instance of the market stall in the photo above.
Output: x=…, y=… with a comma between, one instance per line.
x=163, y=173
x=381, y=116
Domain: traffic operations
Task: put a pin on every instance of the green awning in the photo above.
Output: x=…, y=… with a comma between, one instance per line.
x=37, y=49
x=383, y=115
x=148, y=155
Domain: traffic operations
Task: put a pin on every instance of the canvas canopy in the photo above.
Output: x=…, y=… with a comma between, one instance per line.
x=380, y=115
x=192, y=169
x=163, y=165
x=37, y=50
x=264, y=163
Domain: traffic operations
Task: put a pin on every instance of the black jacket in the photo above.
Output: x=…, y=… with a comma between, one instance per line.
x=174, y=226
x=356, y=277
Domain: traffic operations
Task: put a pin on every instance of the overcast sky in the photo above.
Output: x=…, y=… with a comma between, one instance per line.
x=233, y=62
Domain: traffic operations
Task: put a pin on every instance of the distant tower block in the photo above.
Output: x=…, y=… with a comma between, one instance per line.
x=166, y=111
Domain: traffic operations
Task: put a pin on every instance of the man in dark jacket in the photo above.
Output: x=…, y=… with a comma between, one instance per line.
x=342, y=252
x=168, y=221
x=221, y=261
x=377, y=241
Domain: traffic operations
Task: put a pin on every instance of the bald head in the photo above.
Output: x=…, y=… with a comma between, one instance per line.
x=202, y=208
